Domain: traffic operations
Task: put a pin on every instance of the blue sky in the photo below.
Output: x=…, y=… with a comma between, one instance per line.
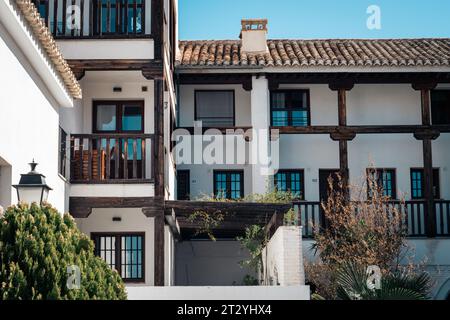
x=220, y=19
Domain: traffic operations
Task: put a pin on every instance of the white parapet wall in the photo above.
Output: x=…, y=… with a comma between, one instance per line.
x=283, y=258
x=261, y=293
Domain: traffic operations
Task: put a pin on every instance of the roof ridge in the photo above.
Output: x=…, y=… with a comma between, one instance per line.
x=321, y=39
x=418, y=52
x=46, y=40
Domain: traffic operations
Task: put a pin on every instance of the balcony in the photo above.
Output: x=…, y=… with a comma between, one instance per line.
x=111, y=158
x=96, y=18
x=312, y=215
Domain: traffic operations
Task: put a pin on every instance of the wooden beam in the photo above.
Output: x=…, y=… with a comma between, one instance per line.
x=151, y=69
x=370, y=129
x=428, y=190
x=249, y=208
x=81, y=207
x=222, y=78
x=157, y=30
x=342, y=89
x=427, y=136
x=340, y=78
x=159, y=153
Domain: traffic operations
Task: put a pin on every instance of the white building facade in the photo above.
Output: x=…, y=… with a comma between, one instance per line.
x=307, y=109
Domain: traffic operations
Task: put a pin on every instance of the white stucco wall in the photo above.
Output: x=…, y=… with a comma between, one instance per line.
x=107, y=49
x=98, y=85
x=169, y=257
x=209, y=263
x=133, y=221
x=230, y=293
x=366, y=105
x=283, y=258
x=29, y=122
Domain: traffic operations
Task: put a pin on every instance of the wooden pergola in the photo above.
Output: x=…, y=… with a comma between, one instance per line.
x=237, y=216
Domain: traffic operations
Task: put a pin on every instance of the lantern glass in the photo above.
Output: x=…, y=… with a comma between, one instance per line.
x=44, y=194
x=30, y=194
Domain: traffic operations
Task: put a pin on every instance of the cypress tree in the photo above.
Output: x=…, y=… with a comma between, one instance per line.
x=37, y=245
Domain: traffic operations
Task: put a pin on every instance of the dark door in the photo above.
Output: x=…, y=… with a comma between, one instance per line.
x=183, y=185
x=324, y=188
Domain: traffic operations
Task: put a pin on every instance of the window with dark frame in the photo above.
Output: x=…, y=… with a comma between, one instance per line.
x=124, y=253
x=386, y=179
x=229, y=184
x=183, y=185
x=291, y=181
x=62, y=152
x=290, y=108
x=440, y=107
x=215, y=108
x=120, y=117
x=418, y=185
x=119, y=17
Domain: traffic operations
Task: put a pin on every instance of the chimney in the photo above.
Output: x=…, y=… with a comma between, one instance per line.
x=254, y=35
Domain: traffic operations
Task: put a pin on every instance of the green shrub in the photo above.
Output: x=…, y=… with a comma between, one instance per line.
x=37, y=245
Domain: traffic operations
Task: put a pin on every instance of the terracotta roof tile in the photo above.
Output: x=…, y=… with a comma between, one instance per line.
x=43, y=34
x=307, y=53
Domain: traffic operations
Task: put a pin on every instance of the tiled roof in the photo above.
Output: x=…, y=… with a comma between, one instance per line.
x=308, y=53
x=41, y=32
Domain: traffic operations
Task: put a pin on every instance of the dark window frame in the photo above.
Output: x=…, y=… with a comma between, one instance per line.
x=290, y=110
x=118, y=249
x=289, y=180
x=188, y=185
x=433, y=116
x=225, y=90
x=436, y=174
x=98, y=15
x=393, y=172
x=119, y=108
x=62, y=152
x=228, y=182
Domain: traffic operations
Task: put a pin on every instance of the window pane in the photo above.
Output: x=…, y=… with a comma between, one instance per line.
x=280, y=179
x=131, y=118
x=278, y=100
x=215, y=108
x=235, y=186
x=221, y=186
x=290, y=181
x=300, y=118
x=132, y=257
x=280, y=118
x=296, y=100
x=440, y=106
x=290, y=108
x=106, y=117
x=228, y=185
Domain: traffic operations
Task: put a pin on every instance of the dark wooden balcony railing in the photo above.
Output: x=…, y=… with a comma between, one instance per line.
x=311, y=215
x=442, y=217
x=94, y=18
x=111, y=158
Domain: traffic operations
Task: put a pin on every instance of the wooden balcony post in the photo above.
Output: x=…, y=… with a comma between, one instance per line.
x=427, y=136
x=157, y=27
x=159, y=138
x=344, y=136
